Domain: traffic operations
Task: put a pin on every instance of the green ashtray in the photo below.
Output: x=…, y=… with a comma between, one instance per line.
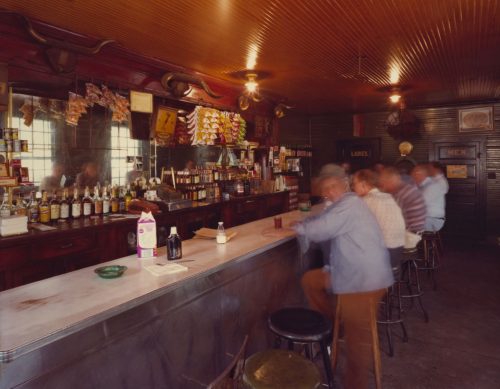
x=110, y=271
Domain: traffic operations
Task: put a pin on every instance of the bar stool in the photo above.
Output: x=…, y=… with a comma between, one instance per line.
x=392, y=303
x=279, y=369
x=432, y=257
x=377, y=364
x=411, y=279
x=270, y=369
x=304, y=326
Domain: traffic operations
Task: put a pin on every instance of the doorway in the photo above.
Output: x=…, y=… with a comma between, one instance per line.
x=463, y=160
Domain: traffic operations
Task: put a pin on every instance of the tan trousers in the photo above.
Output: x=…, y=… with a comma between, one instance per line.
x=356, y=311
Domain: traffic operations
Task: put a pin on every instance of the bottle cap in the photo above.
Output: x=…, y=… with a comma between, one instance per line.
x=173, y=230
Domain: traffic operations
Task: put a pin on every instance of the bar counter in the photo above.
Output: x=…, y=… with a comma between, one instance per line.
x=80, y=331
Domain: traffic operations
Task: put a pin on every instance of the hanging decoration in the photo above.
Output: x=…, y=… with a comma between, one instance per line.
x=208, y=126
x=77, y=105
x=29, y=110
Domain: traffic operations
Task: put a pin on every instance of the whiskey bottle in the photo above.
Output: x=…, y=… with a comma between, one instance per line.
x=33, y=215
x=20, y=209
x=5, y=207
x=87, y=203
x=76, y=205
x=128, y=197
x=97, y=202
x=64, y=207
x=44, y=209
x=115, y=201
x=55, y=208
x=105, y=201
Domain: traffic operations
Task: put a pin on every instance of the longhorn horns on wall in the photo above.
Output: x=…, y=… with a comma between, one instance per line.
x=61, y=54
x=179, y=84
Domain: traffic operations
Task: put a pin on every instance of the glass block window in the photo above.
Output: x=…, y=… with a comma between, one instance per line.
x=41, y=143
x=122, y=146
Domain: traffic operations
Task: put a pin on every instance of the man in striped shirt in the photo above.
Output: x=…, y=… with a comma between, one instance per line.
x=407, y=196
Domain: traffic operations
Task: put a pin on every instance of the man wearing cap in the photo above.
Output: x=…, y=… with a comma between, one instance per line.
x=358, y=267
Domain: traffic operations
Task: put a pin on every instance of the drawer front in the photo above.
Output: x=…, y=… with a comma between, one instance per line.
x=14, y=256
x=64, y=246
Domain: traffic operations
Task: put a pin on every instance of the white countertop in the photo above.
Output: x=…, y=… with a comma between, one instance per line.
x=39, y=313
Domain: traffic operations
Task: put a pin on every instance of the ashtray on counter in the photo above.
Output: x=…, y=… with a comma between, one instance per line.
x=114, y=271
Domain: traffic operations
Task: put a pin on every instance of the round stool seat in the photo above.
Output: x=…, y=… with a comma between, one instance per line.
x=279, y=369
x=300, y=324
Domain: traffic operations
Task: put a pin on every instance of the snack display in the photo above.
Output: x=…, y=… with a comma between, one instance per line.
x=206, y=125
x=120, y=109
x=93, y=94
x=77, y=105
x=181, y=135
x=29, y=109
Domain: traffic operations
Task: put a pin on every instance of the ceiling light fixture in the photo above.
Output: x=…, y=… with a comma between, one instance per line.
x=395, y=96
x=251, y=84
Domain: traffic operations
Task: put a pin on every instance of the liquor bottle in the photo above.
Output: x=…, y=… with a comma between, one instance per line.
x=76, y=205
x=33, y=215
x=64, y=206
x=97, y=202
x=5, y=207
x=221, y=234
x=55, y=208
x=44, y=209
x=128, y=197
x=115, y=201
x=174, y=245
x=121, y=201
x=20, y=209
x=105, y=201
x=87, y=203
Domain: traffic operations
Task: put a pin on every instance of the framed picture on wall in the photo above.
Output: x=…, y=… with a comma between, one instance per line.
x=475, y=119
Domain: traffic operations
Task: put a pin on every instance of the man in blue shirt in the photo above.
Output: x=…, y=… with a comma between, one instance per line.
x=434, y=191
x=359, y=268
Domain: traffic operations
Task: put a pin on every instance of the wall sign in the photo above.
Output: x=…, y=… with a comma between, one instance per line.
x=141, y=102
x=475, y=119
x=164, y=125
x=456, y=171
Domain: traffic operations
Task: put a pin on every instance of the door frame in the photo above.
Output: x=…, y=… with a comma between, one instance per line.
x=481, y=169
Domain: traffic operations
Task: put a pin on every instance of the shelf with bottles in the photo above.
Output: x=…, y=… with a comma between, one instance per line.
x=11, y=148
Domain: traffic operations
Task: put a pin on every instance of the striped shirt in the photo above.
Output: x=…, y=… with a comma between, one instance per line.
x=412, y=203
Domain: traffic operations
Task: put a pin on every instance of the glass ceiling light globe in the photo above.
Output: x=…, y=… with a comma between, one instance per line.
x=251, y=86
x=395, y=98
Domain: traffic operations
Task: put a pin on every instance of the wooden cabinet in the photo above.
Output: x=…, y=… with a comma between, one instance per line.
x=36, y=256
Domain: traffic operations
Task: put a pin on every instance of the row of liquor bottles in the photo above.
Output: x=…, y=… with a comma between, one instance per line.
x=40, y=209
x=201, y=175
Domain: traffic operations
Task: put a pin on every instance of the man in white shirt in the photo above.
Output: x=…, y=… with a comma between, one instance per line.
x=387, y=212
x=434, y=190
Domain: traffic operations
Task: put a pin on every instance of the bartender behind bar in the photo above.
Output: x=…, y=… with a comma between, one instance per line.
x=358, y=267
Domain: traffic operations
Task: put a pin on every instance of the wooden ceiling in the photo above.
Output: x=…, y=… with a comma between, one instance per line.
x=324, y=56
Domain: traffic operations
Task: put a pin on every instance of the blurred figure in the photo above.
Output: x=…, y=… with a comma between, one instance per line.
x=88, y=176
x=386, y=211
x=434, y=192
x=378, y=167
x=359, y=268
x=53, y=182
x=407, y=196
x=436, y=171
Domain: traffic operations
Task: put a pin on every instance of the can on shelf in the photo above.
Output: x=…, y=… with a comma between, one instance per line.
x=6, y=134
x=14, y=133
x=3, y=146
x=16, y=145
x=9, y=145
x=24, y=146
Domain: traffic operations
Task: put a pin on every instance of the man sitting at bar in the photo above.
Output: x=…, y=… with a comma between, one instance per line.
x=434, y=192
x=386, y=211
x=359, y=268
x=409, y=199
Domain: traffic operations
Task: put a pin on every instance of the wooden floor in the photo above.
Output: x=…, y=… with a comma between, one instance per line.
x=460, y=346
